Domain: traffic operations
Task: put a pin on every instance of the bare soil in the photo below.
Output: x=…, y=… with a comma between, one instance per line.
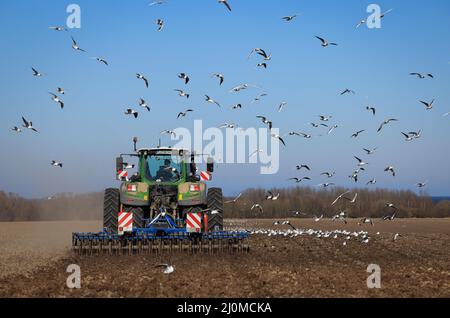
x=35, y=256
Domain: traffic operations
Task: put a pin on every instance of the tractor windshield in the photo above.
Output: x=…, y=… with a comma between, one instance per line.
x=163, y=168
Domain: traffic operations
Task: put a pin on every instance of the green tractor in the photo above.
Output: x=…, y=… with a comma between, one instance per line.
x=165, y=194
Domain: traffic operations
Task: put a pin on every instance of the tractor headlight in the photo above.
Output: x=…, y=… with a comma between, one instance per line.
x=131, y=188
x=194, y=188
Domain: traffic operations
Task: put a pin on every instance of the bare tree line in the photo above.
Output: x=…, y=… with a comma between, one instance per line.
x=61, y=207
x=370, y=203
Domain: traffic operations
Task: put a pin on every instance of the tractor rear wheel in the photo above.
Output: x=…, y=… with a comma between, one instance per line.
x=138, y=216
x=215, y=203
x=111, y=206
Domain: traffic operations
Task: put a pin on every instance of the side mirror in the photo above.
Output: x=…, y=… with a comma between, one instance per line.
x=119, y=164
x=210, y=165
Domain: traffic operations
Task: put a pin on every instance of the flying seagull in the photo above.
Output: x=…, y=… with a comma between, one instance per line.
x=328, y=174
x=289, y=223
x=256, y=205
x=16, y=129
x=130, y=111
x=182, y=93
x=325, y=43
x=387, y=121
x=360, y=162
x=389, y=217
x=325, y=118
x=234, y=200
x=279, y=138
x=422, y=76
x=227, y=125
x=239, y=88
x=265, y=121
x=370, y=151
x=56, y=164
x=299, y=167
x=356, y=134
x=281, y=106
x=352, y=200
x=60, y=90
x=306, y=136
x=237, y=106
x=422, y=184
x=75, y=46
x=325, y=185
x=225, y=2
x=220, y=77
x=101, y=60
x=211, y=101
x=262, y=65
x=142, y=77
x=184, y=77
x=317, y=219
x=57, y=28
x=258, y=98
x=428, y=105
x=371, y=109
x=143, y=104
x=57, y=100
x=332, y=128
x=160, y=24
x=407, y=137
x=289, y=18
x=271, y=196
x=390, y=169
x=340, y=197
x=36, y=73
x=266, y=57
x=372, y=181
x=348, y=91
x=28, y=124
x=157, y=3
x=169, y=132
x=298, y=180
x=184, y=114
x=363, y=21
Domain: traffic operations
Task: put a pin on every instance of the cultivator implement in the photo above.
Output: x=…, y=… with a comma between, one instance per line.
x=142, y=242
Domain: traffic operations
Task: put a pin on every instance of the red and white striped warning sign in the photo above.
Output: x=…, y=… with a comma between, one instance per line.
x=205, y=176
x=122, y=174
x=194, y=222
x=125, y=222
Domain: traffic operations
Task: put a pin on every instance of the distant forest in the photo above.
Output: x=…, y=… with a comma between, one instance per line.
x=370, y=203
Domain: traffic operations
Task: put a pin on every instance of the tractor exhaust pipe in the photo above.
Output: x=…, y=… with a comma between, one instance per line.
x=135, y=140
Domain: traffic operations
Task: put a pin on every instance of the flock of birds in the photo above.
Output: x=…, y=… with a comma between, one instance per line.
x=323, y=121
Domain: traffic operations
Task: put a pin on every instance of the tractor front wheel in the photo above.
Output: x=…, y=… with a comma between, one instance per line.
x=215, y=203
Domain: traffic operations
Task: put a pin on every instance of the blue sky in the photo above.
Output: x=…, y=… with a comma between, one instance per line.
x=200, y=38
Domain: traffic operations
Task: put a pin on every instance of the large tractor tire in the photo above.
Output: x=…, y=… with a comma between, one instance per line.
x=215, y=202
x=138, y=216
x=111, y=206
